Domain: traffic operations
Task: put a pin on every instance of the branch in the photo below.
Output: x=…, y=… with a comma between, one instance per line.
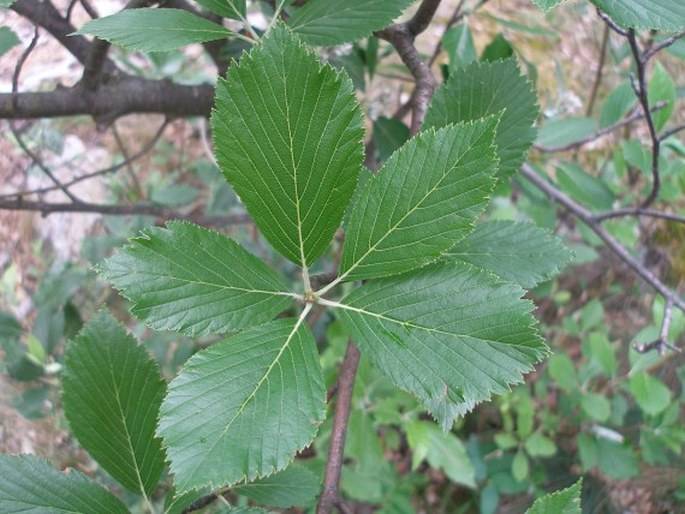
x=348, y=372
x=589, y=219
x=647, y=213
x=661, y=344
x=109, y=101
x=636, y=115
x=46, y=208
x=658, y=48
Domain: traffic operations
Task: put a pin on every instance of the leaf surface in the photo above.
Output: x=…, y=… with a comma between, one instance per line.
x=195, y=281
x=8, y=40
x=30, y=485
x=154, y=30
x=112, y=391
x=517, y=252
x=547, y=5
x=293, y=486
x=235, y=9
x=288, y=137
x=565, y=501
x=482, y=89
x=242, y=408
x=448, y=333
x=326, y=23
x=424, y=199
x=645, y=14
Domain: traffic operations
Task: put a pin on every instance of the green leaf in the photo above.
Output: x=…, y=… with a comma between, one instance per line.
x=520, y=466
x=243, y=407
x=30, y=485
x=583, y=187
x=645, y=14
x=498, y=49
x=235, y=9
x=112, y=391
x=650, y=393
x=295, y=486
x=326, y=23
x=195, y=281
x=389, y=135
x=424, y=199
x=483, y=89
x=537, y=445
x=617, y=104
x=565, y=501
x=517, y=252
x=596, y=406
x=6, y=3
x=459, y=45
x=547, y=5
x=288, y=137
x=448, y=333
x=154, y=30
x=8, y=39
x=558, y=133
x=442, y=451
x=661, y=89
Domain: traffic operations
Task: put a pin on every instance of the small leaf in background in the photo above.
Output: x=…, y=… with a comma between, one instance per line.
x=235, y=9
x=583, y=187
x=424, y=199
x=267, y=398
x=525, y=415
x=458, y=43
x=6, y=3
x=480, y=89
x=441, y=451
x=645, y=14
x=8, y=40
x=596, y=406
x=547, y=5
x=294, y=486
x=520, y=466
x=154, y=30
x=506, y=441
x=36, y=351
x=650, y=393
x=562, y=370
x=498, y=49
x=290, y=144
x=326, y=23
x=517, y=252
x=389, y=135
x=31, y=484
x=661, y=89
x=617, y=104
x=33, y=403
x=565, y=501
x=612, y=458
x=603, y=352
x=112, y=390
x=538, y=445
x=195, y=281
x=436, y=331
x=557, y=133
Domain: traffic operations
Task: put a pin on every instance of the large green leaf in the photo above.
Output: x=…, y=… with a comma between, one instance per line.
x=8, y=40
x=154, y=30
x=112, y=391
x=235, y=9
x=322, y=22
x=449, y=333
x=645, y=14
x=565, y=501
x=288, y=136
x=195, y=281
x=242, y=408
x=30, y=485
x=518, y=252
x=424, y=199
x=293, y=486
x=485, y=88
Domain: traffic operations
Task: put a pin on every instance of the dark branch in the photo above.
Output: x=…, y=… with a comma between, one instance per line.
x=647, y=213
x=348, y=372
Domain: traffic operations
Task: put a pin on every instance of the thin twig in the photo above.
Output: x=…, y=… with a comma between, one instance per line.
x=331, y=480
x=588, y=218
x=600, y=69
x=457, y=15
x=658, y=48
x=647, y=213
x=632, y=117
x=165, y=213
x=611, y=23
x=661, y=344
x=671, y=132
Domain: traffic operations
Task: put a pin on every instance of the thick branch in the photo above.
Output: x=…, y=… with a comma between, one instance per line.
x=126, y=96
x=348, y=372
